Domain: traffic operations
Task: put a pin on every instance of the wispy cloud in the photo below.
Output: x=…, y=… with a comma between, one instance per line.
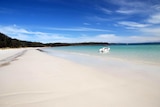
x=130, y=7
x=148, y=32
x=156, y=7
x=105, y=10
x=13, y=29
x=113, y=38
x=97, y=18
x=142, y=39
x=77, y=29
x=132, y=25
x=109, y=38
x=17, y=32
x=153, y=31
x=24, y=34
x=105, y=19
x=86, y=24
x=154, y=19
x=127, y=11
x=128, y=3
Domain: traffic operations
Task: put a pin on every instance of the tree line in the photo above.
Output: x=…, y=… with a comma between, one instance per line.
x=6, y=41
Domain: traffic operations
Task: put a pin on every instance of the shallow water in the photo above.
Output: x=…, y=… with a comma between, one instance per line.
x=138, y=53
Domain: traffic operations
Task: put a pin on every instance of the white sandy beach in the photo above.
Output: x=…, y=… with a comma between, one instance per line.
x=7, y=55
x=36, y=79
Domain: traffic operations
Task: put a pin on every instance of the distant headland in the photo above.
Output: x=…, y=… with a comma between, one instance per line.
x=8, y=42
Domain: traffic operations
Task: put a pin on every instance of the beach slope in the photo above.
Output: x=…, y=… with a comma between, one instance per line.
x=36, y=79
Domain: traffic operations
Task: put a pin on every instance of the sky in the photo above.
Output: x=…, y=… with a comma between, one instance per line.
x=72, y=21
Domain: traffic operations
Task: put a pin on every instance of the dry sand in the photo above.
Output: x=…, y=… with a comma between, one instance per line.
x=8, y=55
x=37, y=79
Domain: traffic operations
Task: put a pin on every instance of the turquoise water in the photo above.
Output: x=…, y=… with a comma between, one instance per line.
x=138, y=53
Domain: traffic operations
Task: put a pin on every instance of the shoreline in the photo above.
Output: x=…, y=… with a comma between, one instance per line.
x=37, y=79
x=82, y=58
x=111, y=55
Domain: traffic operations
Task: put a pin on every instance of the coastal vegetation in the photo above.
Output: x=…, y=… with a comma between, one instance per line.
x=8, y=42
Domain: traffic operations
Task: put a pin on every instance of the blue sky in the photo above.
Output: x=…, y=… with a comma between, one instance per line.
x=81, y=20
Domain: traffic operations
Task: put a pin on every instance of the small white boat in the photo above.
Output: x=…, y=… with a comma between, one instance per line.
x=104, y=50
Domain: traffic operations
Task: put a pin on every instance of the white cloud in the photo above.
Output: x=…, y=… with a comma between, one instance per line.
x=78, y=29
x=151, y=31
x=51, y=38
x=106, y=11
x=154, y=19
x=136, y=6
x=127, y=11
x=23, y=34
x=140, y=39
x=156, y=7
x=13, y=29
x=97, y=38
x=128, y=3
x=108, y=38
x=112, y=38
x=132, y=25
x=148, y=32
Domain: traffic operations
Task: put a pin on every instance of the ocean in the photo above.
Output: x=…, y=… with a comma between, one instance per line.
x=149, y=54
